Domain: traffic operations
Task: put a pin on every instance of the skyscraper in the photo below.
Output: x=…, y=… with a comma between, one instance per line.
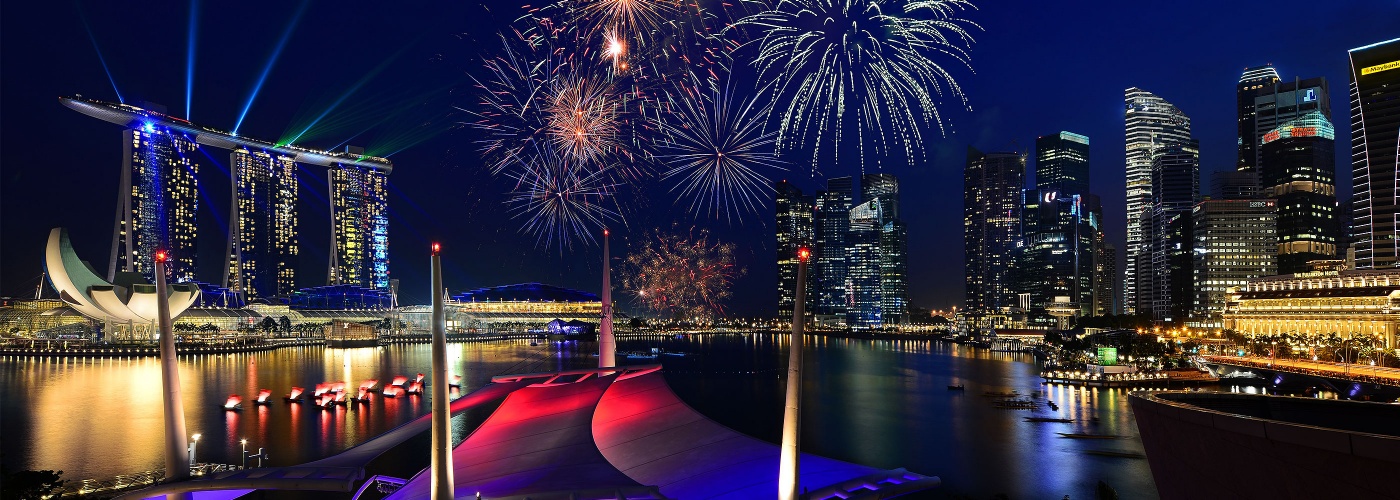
x=1176, y=179
x=863, y=262
x=1233, y=241
x=794, y=230
x=1286, y=101
x=1057, y=252
x=1106, y=289
x=1152, y=124
x=992, y=185
x=884, y=187
x=1254, y=81
x=262, y=256
x=157, y=204
x=1298, y=160
x=1062, y=163
x=833, y=220
x=359, y=226
x=1375, y=128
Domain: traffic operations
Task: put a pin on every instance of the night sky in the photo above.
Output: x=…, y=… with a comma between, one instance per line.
x=398, y=69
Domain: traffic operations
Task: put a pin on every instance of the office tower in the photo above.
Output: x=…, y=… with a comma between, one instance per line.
x=359, y=226
x=1286, y=101
x=884, y=187
x=1233, y=241
x=1105, y=277
x=157, y=204
x=1057, y=252
x=1152, y=124
x=794, y=230
x=863, y=263
x=894, y=283
x=1375, y=128
x=1254, y=81
x=263, y=248
x=833, y=220
x=1298, y=159
x=992, y=185
x=1234, y=185
x=1175, y=181
x=1062, y=163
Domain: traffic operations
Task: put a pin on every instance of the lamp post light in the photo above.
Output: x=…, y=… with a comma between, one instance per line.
x=244, y=442
x=194, y=441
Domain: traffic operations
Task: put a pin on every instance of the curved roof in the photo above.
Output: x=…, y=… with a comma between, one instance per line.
x=526, y=292
x=81, y=288
x=131, y=116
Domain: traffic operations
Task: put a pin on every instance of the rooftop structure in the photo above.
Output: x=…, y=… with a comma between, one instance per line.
x=525, y=292
x=127, y=301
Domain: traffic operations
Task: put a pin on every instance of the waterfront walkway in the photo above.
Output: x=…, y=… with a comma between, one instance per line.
x=1342, y=371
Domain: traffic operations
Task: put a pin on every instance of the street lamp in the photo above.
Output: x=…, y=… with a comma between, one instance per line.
x=194, y=441
x=244, y=442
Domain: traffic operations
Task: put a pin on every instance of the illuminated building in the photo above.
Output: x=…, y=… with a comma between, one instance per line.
x=1375, y=129
x=1284, y=102
x=1106, y=290
x=992, y=185
x=794, y=230
x=1234, y=185
x=1297, y=171
x=1062, y=163
x=520, y=307
x=1349, y=303
x=833, y=220
x=863, y=292
x=263, y=246
x=1151, y=124
x=1176, y=178
x=882, y=187
x=157, y=204
x=1253, y=82
x=1233, y=242
x=883, y=190
x=359, y=226
x=1057, y=253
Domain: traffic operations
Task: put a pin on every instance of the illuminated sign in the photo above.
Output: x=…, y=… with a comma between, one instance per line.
x=1050, y=197
x=1271, y=136
x=1108, y=356
x=1304, y=132
x=1310, y=95
x=1380, y=67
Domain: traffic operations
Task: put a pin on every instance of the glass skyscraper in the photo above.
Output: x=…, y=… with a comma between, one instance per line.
x=1253, y=82
x=864, y=307
x=263, y=248
x=794, y=230
x=992, y=190
x=1375, y=129
x=833, y=221
x=1152, y=124
x=1232, y=242
x=1176, y=180
x=359, y=226
x=1062, y=163
x=157, y=205
x=1297, y=170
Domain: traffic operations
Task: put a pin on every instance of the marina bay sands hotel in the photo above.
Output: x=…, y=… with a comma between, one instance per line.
x=159, y=195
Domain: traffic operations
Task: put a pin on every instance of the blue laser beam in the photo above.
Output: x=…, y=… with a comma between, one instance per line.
x=101, y=59
x=189, y=55
x=271, y=61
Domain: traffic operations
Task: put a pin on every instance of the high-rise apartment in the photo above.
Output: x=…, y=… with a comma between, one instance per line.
x=833, y=220
x=359, y=226
x=1297, y=171
x=1254, y=81
x=1232, y=242
x=794, y=231
x=262, y=256
x=157, y=204
x=992, y=189
x=1375, y=128
x=1152, y=124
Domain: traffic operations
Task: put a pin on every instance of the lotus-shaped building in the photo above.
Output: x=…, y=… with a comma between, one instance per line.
x=129, y=300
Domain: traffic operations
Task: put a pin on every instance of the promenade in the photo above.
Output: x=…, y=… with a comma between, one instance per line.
x=1343, y=371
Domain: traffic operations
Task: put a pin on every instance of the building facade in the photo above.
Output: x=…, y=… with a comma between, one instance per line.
x=1253, y=82
x=1176, y=178
x=1232, y=242
x=1375, y=129
x=864, y=305
x=992, y=190
x=157, y=204
x=1062, y=163
x=263, y=249
x=1297, y=171
x=833, y=221
x=1107, y=298
x=1348, y=303
x=359, y=226
x=794, y=231
x=1286, y=101
x=1151, y=124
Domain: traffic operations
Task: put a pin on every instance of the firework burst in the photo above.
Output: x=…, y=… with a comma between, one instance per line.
x=874, y=64
x=716, y=150
x=560, y=202
x=582, y=119
x=684, y=276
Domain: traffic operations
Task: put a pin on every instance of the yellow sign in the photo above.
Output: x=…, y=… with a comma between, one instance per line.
x=1380, y=67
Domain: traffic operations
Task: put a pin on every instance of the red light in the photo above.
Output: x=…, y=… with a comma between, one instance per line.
x=436, y=248
x=161, y=256
x=803, y=253
x=605, y=232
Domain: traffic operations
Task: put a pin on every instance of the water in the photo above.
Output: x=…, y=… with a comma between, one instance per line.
x=879, y=403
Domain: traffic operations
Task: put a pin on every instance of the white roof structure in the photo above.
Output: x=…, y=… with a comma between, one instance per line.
x=84, y=291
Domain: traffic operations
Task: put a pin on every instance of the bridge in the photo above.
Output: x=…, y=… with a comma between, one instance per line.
x=1382, y=379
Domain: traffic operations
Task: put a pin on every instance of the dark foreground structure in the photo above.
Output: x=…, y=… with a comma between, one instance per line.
x=604, y=433
x=1239, y=446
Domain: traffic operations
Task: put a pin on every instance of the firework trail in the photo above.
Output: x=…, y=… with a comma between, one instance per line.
x=875, y=64
x=717, y=151
x=684, y=276
x=560, y=202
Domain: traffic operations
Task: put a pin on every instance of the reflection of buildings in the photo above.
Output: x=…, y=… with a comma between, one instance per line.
x=263, y=235
x=794, y=230
x=1347, y=303
x=1375, y=130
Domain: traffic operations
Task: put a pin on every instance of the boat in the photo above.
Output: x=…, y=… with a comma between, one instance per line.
x=399, y=380
x=415, y=388
x=392, y=391
x=295, y=395
x=958, y=387
x=676, y=354
x=321, y=390
x=534, y=344
x=369, y=385
x=1078, y=435
x=1050, y=419
x=363, y=396
x=1111, y=453
x=264, y=397
x=234, y=403
x=639, y=355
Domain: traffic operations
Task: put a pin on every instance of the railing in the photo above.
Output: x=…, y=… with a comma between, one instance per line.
x=1352, y=372
x=132, y=481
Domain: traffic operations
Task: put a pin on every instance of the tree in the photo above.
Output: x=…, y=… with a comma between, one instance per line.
x=285, y=324
x=268, y=324
x=31, y=485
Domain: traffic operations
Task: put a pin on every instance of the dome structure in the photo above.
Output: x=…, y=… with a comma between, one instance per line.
x=131, y=299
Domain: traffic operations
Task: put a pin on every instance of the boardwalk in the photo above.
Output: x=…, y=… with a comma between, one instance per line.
x=1341, y=371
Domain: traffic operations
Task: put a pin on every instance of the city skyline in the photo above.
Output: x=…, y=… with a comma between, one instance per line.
x=930, y=285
